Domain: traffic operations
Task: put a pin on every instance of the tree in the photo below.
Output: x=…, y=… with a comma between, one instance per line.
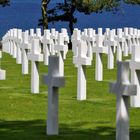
x=44, y=20
x=64, y=11
x=132, y=1
x=4, y=2
x=89, y=6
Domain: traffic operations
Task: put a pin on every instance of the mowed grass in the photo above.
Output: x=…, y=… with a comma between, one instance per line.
x=23, y=115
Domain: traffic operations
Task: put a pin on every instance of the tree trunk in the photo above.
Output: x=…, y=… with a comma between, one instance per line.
x=44, y=14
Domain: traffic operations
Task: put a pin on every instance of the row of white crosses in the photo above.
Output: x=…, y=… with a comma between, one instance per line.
x=85, y=43
x=27, y=45
x=83, y=56
x=55, y=49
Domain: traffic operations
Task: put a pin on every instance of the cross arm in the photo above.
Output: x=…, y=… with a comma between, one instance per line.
x=56, y=81
x=100, y=50
x=134, y=65
x=124, y=89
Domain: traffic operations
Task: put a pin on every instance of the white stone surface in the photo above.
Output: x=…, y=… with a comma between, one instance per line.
x=0, y=54
x=54, y=40
x=11, y=41
x=66, y=40
x=2, y=74
x=61, y=49
x=130, y=31
x=76, y=37
x=25, y=47
x=14, y=54
x=54, y=81
x=81, y=60
x=120, y=40
x=89, y=36
x=18, y=42
x=6, y=43
x=46, y=41
x=111, y=44
x=99, y=49
x=127, y=41
x=123, y=89
x=135, y=74
x=35, y=56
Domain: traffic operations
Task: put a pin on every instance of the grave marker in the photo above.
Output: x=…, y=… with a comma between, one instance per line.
x=25, y=47
x=123, y=89
x=130, y=30
x=61, y=49
x=19, y=41
x=99, y=49
x=120, y=44
x=127, y=41
x=81, y=60
x=35, y=56
x=135, y=74
x=14, y=49
x=46, y=40
x=2, y=72
x=111, y=44
x=54, y=82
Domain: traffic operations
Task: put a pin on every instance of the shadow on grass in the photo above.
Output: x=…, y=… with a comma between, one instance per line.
x=35, y=130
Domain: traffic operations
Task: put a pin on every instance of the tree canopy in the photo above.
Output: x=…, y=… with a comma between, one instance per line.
x=4, y=2
x=132, y=1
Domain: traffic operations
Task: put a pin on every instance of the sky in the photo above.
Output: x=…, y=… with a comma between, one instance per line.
x=24, y=14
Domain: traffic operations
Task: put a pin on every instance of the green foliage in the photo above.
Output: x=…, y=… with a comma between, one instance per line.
x=23, y=115
x=132, y=1
x=89, y=6
x=4, y=2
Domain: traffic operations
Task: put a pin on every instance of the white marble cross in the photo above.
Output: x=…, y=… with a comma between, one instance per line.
x=35, y=56
x=66, y=40
x=99, y=49
x=81, y=60
x=38, y=32
x=31, y=35
x=135, y=74
x=18, y=42
x=120, y=44
x=135, y=36
x=61, y=49
x=25, y=47
x=123, y=89
x=89, y=36
x=46, y=41
x=111, y=44
x=138, y=36
x=76, y=37
x=2, y=72
x=11, y=41
x=106, y=34
x=14, y=49
x=54, y=82
x=54, y=37
x=66, y=36
x=131, y=31
x=127, y=41
x=6, y=42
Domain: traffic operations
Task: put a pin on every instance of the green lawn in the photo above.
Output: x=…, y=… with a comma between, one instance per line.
x=23, y=115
